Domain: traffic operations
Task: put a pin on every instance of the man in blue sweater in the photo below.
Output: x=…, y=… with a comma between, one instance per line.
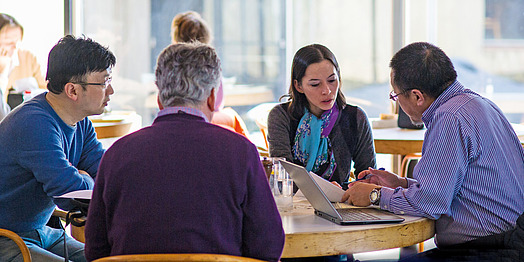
x=184, y=185
x=48, y=147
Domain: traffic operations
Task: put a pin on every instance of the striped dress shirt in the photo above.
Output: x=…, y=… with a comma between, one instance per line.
x=470, y=178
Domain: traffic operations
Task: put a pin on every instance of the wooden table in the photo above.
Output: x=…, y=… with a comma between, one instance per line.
x=398, y=141
x=308, y=235
x=402, y=141
x=115, y=124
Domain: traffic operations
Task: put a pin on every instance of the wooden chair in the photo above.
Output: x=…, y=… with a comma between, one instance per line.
x=19, y=242
x=176, y=257
x=408, y=163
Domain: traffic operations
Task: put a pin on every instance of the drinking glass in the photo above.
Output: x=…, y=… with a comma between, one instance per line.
x=282, y=187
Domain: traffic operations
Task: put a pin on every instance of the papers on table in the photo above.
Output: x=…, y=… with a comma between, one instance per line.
x=79, y=194
x=333, y=192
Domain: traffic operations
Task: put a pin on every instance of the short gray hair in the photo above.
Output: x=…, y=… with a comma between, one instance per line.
x=186, y=73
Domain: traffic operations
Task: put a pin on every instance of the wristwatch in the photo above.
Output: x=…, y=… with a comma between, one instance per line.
x=374, y=196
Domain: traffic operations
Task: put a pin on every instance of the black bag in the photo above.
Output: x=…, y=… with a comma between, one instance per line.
x=77, y=215
x=405, y=122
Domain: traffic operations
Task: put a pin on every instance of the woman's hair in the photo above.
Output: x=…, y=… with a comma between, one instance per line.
x=186, y=73
x=7, y=20
x=304, y=57
x=188, y=27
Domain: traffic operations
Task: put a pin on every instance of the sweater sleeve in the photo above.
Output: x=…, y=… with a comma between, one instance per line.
x=92, y=150
x=364, y=155
x=262, y=234
x=278, y=127
x=43, y=152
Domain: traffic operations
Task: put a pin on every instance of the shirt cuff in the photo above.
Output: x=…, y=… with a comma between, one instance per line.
x=385, y=197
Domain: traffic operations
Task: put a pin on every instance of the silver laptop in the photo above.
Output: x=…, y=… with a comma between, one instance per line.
x=324, y=208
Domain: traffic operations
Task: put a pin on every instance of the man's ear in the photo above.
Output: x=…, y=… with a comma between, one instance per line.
x=297, y=86
x=72, y=91
x=419, y=96
x=160, y=106
x=211, y=100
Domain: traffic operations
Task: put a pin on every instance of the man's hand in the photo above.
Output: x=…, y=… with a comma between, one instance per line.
x=358, y=194
x=382, y=178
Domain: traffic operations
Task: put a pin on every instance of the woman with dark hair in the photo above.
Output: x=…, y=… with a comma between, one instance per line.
x=316, y=128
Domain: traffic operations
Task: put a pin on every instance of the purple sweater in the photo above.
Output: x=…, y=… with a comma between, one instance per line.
x=183, y=186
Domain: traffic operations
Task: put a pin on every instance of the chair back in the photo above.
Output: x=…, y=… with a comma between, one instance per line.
x=408, y=164
x=19, y=242
x=176, y=257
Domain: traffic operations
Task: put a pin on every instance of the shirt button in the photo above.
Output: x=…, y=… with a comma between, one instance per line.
x=402, y=212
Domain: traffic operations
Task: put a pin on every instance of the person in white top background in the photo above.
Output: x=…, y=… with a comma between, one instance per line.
x=19, y=68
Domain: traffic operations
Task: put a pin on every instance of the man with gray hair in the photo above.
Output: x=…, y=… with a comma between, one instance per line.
x=184, y=185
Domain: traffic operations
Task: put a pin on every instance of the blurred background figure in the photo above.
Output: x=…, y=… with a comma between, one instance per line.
x=188, y=27
x=19, y=68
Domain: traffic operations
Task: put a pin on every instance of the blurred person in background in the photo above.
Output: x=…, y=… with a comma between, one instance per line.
x=189, y=27
x=15, y=63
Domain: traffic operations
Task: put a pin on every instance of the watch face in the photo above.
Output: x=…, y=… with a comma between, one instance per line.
x=374, y=195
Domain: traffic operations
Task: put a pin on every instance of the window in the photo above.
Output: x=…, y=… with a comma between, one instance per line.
x=256, y=40
x=504, y=19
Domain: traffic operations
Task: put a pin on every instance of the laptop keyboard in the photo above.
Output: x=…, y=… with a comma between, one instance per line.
x=353, y=214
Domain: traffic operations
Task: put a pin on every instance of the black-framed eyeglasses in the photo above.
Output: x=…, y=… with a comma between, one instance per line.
x=106, y=83
x=394, y=96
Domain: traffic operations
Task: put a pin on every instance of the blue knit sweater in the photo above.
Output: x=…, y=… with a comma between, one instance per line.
x=40, y=156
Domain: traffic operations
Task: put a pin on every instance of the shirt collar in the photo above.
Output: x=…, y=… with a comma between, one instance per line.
x=448, y=93
x=178, y=109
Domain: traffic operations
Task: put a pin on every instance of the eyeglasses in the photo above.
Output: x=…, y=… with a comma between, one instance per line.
x=394, y=96
x=106, y=83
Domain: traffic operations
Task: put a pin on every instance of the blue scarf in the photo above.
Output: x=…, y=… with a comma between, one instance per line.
x=312, y=146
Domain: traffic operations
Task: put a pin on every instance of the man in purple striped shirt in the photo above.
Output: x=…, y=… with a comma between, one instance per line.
x=470, y=178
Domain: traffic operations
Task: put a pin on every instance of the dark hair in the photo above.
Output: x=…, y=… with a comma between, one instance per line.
x=304, y=57
x=7, y=20
x=72, y=58
x=422, y=66
x=190, y=26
